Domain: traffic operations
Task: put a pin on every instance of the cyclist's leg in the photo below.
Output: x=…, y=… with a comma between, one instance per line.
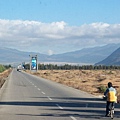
x=107, y=108
x=113, y=105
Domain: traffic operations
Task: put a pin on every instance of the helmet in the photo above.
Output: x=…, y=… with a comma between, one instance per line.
x=109, y=84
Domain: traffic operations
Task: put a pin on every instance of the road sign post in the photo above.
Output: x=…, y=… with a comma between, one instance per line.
x=33, y=63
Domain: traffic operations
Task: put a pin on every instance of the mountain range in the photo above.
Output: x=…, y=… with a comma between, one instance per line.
x=84, y=56
x=113, y=59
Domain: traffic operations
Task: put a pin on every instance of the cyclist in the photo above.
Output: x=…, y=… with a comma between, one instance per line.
x=110, y=93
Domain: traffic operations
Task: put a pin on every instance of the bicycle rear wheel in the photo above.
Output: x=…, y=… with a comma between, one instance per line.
x=112, y=114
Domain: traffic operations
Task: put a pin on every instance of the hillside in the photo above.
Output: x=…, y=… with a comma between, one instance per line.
x=9, y=55
x=86, y=55
x=113, y=59
x=83, y=56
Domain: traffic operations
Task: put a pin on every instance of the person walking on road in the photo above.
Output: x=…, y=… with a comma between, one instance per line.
x=110, y=93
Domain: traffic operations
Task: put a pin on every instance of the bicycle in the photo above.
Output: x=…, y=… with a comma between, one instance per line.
x=111, y=107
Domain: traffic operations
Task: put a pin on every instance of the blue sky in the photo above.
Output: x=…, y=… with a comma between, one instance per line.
x=58, y=26
x=73, y=12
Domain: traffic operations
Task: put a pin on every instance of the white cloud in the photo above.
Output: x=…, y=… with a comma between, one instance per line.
x=58, y=36
x=50, y=52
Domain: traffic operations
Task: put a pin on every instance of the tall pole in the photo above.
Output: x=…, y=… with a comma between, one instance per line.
x=30, y=61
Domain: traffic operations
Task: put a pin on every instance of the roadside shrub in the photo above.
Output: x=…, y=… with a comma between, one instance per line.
x=102, y=89
x=2, y=68
x=110, y=72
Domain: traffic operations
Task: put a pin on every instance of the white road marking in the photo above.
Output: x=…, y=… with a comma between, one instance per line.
x=59, y=106
x=38, y=88
x=43, y=93
x=49, y=98
x=73, y=118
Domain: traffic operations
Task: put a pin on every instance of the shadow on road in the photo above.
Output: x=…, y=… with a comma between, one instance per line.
x=77, y=107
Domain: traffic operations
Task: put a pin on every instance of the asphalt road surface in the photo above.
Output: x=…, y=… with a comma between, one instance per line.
x=27, y=97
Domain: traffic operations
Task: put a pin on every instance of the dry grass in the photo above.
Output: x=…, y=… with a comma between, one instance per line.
x=3, y=76
x=86, y=80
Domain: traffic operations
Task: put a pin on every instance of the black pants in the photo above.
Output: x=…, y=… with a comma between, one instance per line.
x=108, y=106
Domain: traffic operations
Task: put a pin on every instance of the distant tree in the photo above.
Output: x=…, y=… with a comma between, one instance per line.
x=2, y=68
x=27, y=66
x=72, y=67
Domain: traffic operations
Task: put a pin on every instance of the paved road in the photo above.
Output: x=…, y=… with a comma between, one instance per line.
x=27, y=97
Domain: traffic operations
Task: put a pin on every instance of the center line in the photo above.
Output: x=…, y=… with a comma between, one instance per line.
x=43, y=93
x=38, y=88
x=49, y=98
x=59, y=106
x=73, y=118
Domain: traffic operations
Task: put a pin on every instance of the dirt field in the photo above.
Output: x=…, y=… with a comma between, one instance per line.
x=91, y=81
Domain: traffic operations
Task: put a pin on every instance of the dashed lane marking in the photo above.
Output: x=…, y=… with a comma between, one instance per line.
x=38, y=88
x=49, y=98
x=73, y=118
x=59, y=106
x=43, y=93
